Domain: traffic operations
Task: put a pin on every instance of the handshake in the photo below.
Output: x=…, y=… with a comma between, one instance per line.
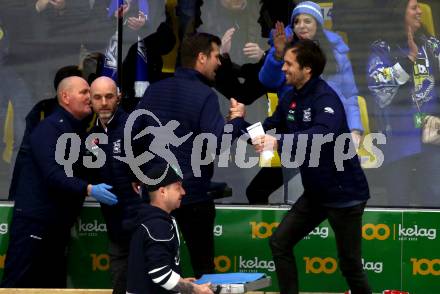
x=236, y=109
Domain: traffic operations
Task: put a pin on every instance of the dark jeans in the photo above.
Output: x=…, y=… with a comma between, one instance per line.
x=302, y=218
x=118, y=253
x=196, y=222
x=37, y=255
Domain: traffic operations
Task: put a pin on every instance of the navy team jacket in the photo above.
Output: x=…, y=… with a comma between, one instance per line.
x=188, y=99
x=154, y=260
x=313, y=110
x=116, y=174
x=44, y=192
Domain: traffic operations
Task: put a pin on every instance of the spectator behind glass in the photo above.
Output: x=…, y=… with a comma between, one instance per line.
x=361, y=22
x=306, y=23
x=272, y=11
x=15, y=102
x=236, y=22
x=402, y=71
x=241, y=81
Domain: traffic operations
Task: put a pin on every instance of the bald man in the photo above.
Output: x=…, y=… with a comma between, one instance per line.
x=47, y=200
x=111, y=121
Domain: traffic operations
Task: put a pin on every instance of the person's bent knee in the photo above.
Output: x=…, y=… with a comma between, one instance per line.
x=277, y=245
x=251, y=192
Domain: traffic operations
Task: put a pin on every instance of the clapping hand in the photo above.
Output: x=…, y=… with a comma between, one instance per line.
x=227, y=41
x=135, y=23
x=280, y=39
x=252, y=50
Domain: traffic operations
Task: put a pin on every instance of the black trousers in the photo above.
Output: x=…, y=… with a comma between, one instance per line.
x=118, y=253
x=299, y=221
x=196, y=222
x=37, y=255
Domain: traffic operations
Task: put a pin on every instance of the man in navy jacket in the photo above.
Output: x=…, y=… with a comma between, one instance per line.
x=48, y=199
x=111, y=121
x=154, y=261
x=188, y=99
x=334, y=189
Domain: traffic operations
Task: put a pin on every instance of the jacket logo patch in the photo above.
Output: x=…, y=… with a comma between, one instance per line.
x=117, y=146
x=307, y=115
x=291, y=115
x=94, y=147
x=329, y=110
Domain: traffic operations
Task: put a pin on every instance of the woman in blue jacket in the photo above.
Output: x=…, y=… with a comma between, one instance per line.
x=306, y=23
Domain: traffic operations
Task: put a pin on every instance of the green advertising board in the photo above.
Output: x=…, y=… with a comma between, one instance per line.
x=400, y=249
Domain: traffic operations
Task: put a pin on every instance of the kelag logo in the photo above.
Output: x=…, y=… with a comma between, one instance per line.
x=383, y=232
x=412, y=233
x=255, y=264
x=425, y=266
x=223, y=264
x=91, y=228
x=100, y=262
x=318, y=265
x=264, y=230
x=379, y=232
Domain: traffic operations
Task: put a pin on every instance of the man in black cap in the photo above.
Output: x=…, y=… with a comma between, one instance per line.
x=154, y=260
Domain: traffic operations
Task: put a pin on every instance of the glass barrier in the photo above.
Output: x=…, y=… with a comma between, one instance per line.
x=382, y=60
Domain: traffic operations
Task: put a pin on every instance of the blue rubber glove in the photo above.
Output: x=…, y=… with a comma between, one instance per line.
x=102, y=194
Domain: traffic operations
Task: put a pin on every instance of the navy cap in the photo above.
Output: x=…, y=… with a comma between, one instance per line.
x=172, y=175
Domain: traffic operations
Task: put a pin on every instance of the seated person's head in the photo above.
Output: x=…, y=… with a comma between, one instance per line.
x=165, y=190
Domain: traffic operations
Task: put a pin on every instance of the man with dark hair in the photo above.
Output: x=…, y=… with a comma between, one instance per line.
x=313, y=110
x=154, y=261
x=188, y=99
x=47, y=200
x=200, y=43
